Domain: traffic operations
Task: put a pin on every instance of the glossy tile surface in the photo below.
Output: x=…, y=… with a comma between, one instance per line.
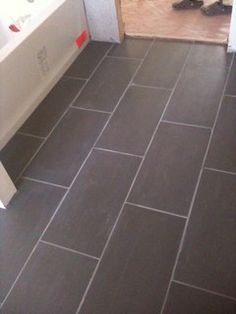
x=87, y=61
x=21, y=225
x=208, y=257
x=183, y=299
x=134, y=273
x=135, y=120
x=223, y=147
x=231, y=86
x=62, y=155
x=88, y=214
x=17, y=153
x=148, y=225
x=156, y=18
x=108, y=84
x=169, y=174
x=131, y=48
x=53, y=282
x=163, y=64
x=197, y=96
x=43, y=119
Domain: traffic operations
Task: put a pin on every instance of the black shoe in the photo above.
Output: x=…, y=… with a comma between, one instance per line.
x=216, y=8
x=187, y=4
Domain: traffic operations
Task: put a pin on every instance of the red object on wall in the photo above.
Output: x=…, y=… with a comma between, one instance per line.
x=14, y=28
x=81, y=39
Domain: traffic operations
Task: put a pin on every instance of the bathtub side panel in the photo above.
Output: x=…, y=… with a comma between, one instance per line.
x=32, y=69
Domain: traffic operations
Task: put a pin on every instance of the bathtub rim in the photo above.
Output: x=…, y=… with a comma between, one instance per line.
x=44, y=14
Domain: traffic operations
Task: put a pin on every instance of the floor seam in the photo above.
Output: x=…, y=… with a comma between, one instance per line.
x=93, y=110
x=136, y=175
x=45, y=182
x=117, y=152
x=195, y=192
x=152, y=87
x=125, y=58
x=30, y=135
x=69, y=249
x=75, y=78
x=220, y=170
x=156, y=210
x=187, y=124
x=228, y=95
x=204, y=290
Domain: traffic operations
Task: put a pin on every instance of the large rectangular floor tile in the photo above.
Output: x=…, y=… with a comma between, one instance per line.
x=231, y=86
x=17, y=153
x=21, y=225
x=52, y=107
x=214, y=56
x=64, y=152
x=107, y=84
x=197, y=96
x=134, y=121
x=169, y=173
x=87, y=61
x=131, y=48
x=163, y=64
x=184, y=299
x=208, y=257
x=53, y=281
x=222, y=153
x=134, y=273
x=89, y=211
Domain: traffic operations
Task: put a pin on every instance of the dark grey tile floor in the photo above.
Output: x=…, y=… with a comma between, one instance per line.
x=126, y=177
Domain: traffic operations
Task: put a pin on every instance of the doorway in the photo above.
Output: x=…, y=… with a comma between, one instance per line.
x=156, y=18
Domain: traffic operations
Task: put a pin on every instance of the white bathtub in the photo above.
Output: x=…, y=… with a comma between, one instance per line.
x=33, y=60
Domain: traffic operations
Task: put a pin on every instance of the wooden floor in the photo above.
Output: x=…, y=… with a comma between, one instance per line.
x=156, y=18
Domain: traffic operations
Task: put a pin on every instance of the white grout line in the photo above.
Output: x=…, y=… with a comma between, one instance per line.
x=45, y=182
x=125, y=58
x=40, y=146
x=93, y=110
x=187, y=124
x=117, y=152
x=152, y=87
x=157, y=210
x=52, y=217
x=227, y=95
x=221, y=171
x=195, y=193
x=69, y=250
x=62, y=200
x=91, y=75
x=60, y=119
x=84, y=79
x=204, y=290
x=30, y=135
x=135, y=177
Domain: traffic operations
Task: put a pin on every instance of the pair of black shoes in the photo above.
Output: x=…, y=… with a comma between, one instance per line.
x=216, y=8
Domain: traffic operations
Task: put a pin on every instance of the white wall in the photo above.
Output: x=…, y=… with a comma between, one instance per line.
x=104, y=18
x=232, y=34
